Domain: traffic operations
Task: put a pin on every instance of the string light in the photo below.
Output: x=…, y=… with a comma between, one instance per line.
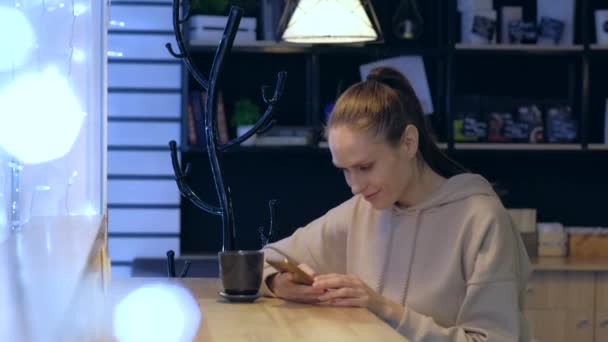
x=158, y=312
x=42, y=130
x=16, y=32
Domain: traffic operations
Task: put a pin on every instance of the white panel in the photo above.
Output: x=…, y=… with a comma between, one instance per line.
x=143, y=133
x=157, y=163
x=148, y=76
x=127, y=249
x=142, y=192
x=141, y=18
x=121, y=272
x=140, y=46
x=144, y=220
x=142, y=105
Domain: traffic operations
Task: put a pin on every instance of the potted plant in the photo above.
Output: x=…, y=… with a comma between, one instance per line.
x=246, y=114
x=209, y=18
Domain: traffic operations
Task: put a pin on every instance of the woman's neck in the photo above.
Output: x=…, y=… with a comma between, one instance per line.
x=424, y=183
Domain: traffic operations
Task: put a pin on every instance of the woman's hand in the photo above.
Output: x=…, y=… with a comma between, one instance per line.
x=283, y=286
x=348, y=290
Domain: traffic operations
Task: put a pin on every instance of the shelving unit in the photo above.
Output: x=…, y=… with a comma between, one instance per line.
x=519, y=48
x=258, y=46
x=564, y=181
x=598, y=47
x=326, y=66
x=517, y=147
x=598, y=147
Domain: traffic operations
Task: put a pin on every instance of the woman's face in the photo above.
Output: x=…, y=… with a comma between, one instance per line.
x=374, y=169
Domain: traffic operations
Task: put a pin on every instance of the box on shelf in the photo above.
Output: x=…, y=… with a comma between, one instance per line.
x=550, y=31
x=508, y=14
x=588, y=242
x=601, y=26
x=552, y=240
x=469, y=122
x=561, y=124
x=562, y=11
x=211, y=28
x=285, y=136
x=478, y=27
x=525, y=221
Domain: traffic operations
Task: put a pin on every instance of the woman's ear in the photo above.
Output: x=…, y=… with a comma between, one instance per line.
x=409, y=140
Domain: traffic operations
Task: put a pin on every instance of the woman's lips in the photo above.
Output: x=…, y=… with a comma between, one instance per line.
x=371, y=196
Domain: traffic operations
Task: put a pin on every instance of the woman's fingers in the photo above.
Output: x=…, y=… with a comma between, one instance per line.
x=345, y=292
x=334, y=281
x=309, y=270
x=287, y=289
x=304, y=293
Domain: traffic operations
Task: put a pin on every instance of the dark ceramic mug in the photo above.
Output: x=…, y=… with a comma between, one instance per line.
x=241, y=272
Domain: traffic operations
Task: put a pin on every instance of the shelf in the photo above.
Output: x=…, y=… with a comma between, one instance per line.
x=379, y=51
x=598, y=264
x=265, y=46
x=259, y=149
x=519, y=49
x=599, y=47
x=259, y=46
x=441, y=145
x=598, y=147
x=517, y=147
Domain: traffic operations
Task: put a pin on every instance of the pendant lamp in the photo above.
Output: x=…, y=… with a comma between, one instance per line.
x=329, y=22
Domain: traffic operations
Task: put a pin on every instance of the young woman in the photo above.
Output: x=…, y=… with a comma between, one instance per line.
x=422, y=244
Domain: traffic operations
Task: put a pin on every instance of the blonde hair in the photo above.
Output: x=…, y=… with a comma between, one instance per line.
x=384, y=105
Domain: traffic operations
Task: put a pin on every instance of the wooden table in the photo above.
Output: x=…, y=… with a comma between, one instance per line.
x=267, y=319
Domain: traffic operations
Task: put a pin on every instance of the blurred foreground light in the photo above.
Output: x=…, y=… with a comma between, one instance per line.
x=40, y=116
x=17, y=38
x=159, y=312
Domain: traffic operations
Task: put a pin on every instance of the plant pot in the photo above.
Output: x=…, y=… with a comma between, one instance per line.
x=210, y=28
x=240, y=130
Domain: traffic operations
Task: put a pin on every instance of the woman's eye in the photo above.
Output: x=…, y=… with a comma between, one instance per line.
x=365, y=167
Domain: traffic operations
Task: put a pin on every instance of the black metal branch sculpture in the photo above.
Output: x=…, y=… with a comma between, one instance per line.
x=224, y=209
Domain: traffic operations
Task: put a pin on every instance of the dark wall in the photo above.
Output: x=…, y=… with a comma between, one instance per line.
x=303, y=180
x=565, y=186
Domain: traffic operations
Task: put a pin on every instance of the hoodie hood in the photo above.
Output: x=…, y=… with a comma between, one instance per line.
x=455, y=188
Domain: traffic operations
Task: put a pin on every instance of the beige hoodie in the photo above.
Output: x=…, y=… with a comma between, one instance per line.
x=455, y=261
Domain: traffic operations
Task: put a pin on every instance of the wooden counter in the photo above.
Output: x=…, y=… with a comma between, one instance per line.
x=567, y=299
x=569, y=264
x=44, y=269
x=267, y=319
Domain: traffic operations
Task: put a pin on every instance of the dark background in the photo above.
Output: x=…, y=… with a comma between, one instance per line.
x=564, y=185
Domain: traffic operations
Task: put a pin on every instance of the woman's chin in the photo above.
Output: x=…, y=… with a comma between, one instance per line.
x=377, y=204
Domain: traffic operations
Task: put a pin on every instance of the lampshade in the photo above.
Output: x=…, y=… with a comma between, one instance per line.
x=329, y=22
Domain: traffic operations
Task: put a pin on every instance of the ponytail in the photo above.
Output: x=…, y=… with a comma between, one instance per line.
x=386, y=104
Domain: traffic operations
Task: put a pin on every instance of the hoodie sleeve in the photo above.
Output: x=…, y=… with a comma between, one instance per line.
x=321, y=244
x=492, y=306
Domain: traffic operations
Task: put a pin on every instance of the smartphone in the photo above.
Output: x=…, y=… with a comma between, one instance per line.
x=284, y=265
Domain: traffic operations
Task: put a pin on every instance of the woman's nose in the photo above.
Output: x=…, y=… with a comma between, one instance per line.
x=356, y=186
